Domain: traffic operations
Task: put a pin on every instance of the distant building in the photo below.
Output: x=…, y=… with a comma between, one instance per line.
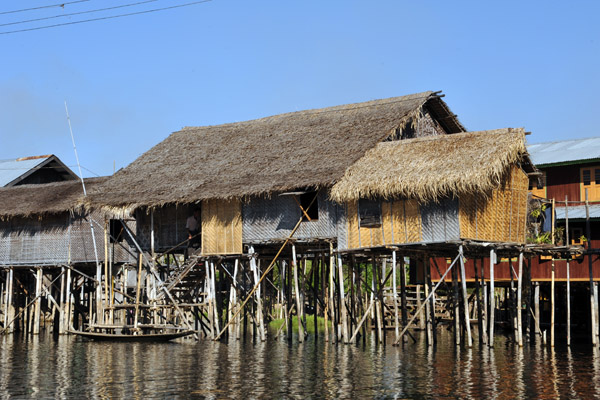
x=34, y=170
x=569, y=168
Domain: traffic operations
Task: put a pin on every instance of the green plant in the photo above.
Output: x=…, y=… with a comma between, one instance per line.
x=538, y=211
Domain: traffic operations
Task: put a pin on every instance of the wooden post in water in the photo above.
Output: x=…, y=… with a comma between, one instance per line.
x=552, y=306
x=8, y=306
x=536, y=305
x=38, y=302
x=299, y=307
x=331, y=289
x=403, y=297
x=455, y=306
x=568, y=272
x=343, y=310
x=137, y=292
x=519, y=301
x=492, y=297
x=589, y=256
x=421, y=315
x=463, y=278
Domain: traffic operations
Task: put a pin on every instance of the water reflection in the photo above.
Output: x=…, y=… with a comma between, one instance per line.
x=39, y=367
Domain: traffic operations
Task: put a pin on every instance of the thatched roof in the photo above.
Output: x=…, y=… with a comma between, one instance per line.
x=433, y=167
x=41, y=199
x=302, y=149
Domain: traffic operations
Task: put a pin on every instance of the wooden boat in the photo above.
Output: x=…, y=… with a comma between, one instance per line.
x=142, y=337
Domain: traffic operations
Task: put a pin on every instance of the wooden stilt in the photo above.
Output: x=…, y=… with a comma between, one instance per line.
x=519, y=302
x=343, y=311
x=455, y=306
x=421, y=316
x=258, y=293
x=427, y=263
x=331, y=289
x=552, y=307
x=589, y=257
x=315, y=282
x=596, y=311
x=299, y=307
x=213, y=292
x=137, y=292
x=484, y=321
x=8, y=305
x=536, y=305
x=463, y=279
x=38, y=302
x=492, y=297
x=568, y=273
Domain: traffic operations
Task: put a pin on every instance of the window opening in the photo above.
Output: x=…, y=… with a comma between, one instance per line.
x=116, y=230
x=369, y=212
x=313, y=210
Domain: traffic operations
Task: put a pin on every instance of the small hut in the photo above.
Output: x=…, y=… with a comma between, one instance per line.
x=42, y=225
x=437, y=189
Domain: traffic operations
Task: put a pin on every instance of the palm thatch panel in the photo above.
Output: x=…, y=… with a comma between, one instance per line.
x=303, y=149
x=432, y=168
x=500, y=216
x=221, y=227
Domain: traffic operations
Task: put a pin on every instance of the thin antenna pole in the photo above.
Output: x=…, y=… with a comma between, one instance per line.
x=75, y=150
x=99, y=311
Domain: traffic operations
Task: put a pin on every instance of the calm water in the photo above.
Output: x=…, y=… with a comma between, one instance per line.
x=72, y=368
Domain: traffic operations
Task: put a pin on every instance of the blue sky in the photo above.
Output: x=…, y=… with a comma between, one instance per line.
x=130, y=82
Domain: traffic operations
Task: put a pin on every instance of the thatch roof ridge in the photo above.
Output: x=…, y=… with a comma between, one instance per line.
x=42, y=199
x=309, y=148
x=430, y=168
x=313, y=111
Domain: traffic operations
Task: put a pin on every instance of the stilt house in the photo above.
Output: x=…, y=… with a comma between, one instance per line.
x=255, y=180
x=437, y=189
x=41, y=225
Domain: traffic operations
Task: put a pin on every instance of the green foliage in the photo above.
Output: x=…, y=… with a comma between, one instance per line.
x=275, y=325
x=538, y=211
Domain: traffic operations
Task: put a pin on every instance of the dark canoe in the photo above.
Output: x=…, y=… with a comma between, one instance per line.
x=149, y=337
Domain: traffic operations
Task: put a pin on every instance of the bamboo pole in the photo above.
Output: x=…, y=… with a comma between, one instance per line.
x=428, y=296
x=492, y=298
x=106, y=287
x=552, y=306
x=455, y=304
x=38, y=302
x=590, y=267
x=519, y=302
x=331, y=288
x=568, y=273
x=8, y=306
x=536, y=306
x=297, y=295
x=268, y=269
x=344, y=316
x=463, y=278
x=137, y=293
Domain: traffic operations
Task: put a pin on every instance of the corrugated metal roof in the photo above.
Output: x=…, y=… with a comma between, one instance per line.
x=564, y=151
x=13, y=169
x=578, y=212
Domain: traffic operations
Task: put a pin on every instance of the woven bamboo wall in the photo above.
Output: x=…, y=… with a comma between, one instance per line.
x=268, y=219
x=400, y=223
x=50, y=241
x=169, y=226
x=221, y=227
x=501, y=216
x=439, y=221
